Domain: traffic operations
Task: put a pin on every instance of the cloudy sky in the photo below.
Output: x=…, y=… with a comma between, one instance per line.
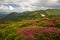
x=28, y=5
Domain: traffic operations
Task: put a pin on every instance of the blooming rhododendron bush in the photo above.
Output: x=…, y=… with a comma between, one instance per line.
x=39, y=33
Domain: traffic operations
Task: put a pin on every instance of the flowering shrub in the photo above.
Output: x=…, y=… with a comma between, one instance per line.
x=51, y=25
x=42, y=33
x=33, y=22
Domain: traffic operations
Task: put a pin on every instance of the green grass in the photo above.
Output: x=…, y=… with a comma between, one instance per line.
x=9, y=29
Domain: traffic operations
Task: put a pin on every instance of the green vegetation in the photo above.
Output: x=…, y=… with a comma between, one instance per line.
x=20, y=26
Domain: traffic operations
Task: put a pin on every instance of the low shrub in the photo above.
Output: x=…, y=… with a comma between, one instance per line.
x=40, y=33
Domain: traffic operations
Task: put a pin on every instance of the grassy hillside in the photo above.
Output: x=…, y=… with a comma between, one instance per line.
x=53, y=12
x=35, y=25
x=14, y=16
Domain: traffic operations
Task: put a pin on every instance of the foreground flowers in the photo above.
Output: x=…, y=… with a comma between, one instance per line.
x=40, y=33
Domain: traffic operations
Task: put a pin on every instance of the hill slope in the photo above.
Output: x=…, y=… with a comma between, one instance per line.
x=32, y=15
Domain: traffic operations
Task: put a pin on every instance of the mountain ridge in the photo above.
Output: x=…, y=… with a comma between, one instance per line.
x=15, y=16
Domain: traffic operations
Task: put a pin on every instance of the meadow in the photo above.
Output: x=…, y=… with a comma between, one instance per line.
x=31, y=27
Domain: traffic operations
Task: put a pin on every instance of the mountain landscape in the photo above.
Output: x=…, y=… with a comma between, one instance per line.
x=20, y=25
x=29, y=19
x=3, y=14
x=29, y=14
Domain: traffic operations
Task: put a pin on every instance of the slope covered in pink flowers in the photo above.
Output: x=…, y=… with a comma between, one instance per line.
x=31, y=27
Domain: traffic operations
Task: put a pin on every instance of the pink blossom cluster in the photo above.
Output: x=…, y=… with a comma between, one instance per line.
x=39, y=33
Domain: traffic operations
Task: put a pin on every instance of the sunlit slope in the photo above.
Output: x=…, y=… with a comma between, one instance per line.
x=53, y=12
x=28, y=15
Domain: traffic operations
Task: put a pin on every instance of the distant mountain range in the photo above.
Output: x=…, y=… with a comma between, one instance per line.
x=14, y=16
x=3, y=14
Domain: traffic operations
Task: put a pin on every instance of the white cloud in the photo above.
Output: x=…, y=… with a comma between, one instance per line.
x=33, y=4
x=52, y=2
x=11, y=8
x=4, y=7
